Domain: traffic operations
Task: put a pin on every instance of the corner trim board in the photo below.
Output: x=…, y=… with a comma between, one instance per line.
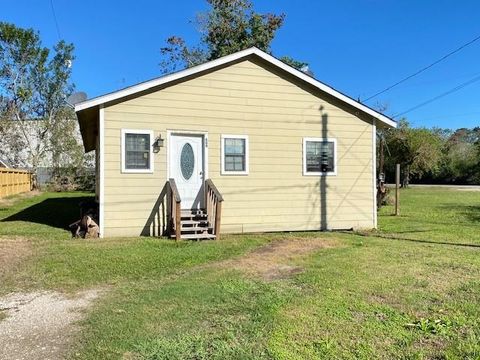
x=374, y=171
x=101, y=207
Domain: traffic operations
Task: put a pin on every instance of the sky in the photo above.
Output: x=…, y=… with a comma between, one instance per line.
x=356, y=46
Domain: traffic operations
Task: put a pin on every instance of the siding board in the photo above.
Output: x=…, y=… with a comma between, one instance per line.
x=246, y=98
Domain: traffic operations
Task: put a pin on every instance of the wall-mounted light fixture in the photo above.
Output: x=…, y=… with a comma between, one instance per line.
x=157, y=144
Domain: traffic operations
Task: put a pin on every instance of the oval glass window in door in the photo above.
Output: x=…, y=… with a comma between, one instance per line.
x=187, y=161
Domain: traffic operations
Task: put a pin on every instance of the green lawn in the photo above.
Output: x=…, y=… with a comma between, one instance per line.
x=435, y=214
x=409, y=290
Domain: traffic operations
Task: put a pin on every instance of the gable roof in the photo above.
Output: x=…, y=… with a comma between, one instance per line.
x=211, y=65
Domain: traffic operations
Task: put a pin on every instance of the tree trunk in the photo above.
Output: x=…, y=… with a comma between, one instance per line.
x=406, y=176
x=381, y=156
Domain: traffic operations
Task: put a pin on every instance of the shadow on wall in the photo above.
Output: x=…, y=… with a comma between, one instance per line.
x=345, y=197
x=157, y=222
x=318, y=194
x=323, y=178
x=56, y=212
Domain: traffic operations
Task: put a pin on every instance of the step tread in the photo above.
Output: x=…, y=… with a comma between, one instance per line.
x=199, y=211
x=193, y=222
x=196, y=236
x=193, y=218
x=195, y=228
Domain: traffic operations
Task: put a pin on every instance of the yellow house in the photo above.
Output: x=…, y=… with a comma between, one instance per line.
x=244, y=143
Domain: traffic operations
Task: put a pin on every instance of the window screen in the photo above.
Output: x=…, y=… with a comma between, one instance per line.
x=320, y=156
x=235, y=154
x=137, y=151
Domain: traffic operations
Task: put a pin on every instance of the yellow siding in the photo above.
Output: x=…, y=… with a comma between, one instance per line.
x=247, y=99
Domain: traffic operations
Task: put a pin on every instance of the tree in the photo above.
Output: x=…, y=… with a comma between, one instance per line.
x=417, y=150
x=381, y=135
x=299, y=65
x=34, y=83
x=460, y=163
x=229, y=26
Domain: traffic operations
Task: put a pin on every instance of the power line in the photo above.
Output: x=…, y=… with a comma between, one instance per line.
x=455, y=89
x=423, y=69
x=55, y=19
x=452, y=116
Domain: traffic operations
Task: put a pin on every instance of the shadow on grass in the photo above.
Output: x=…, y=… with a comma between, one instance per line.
x=469, y=220
x=412, y=231
x=471, y=212
x=55, y=212
x=391, y=237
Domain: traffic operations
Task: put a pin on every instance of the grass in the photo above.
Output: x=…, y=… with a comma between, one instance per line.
x=409, y=290
x=435, y=214
x=45, y=216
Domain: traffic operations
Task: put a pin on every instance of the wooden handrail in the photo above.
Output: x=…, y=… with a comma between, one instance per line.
x=173, y=186
x=175, y=209
x=212, y=186
x=213, y=203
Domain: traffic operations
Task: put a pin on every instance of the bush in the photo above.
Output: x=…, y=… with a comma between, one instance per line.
x=70, y=179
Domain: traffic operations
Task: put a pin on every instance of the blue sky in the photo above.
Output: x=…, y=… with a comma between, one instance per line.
x=359, y=47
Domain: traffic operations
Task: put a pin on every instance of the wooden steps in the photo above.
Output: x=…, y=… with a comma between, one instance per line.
x=197, y=236
x=195, y=226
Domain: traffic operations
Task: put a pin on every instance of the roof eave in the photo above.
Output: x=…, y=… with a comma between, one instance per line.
x=226, y=60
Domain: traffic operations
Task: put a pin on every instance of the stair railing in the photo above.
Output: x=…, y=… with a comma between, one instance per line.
x=175, y=206
x=213, y=203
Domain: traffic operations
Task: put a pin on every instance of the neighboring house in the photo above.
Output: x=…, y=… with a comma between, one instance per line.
x=4, y=163
x=22, y=136
x=285, y=151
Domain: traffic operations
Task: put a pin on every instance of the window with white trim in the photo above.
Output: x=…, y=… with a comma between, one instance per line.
x=137, y=151
x=319, y=156
x=234, y=154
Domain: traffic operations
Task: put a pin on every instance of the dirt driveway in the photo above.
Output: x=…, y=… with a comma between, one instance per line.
x=274, y=260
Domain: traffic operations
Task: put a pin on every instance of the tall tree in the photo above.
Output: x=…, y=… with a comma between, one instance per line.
x=417, y=150
x=34, y=85
x=461, y=161
x=229, y=26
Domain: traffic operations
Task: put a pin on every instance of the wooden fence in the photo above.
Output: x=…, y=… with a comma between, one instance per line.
x=14, y=181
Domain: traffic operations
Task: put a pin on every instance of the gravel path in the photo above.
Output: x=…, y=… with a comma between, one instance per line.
x=40, y=325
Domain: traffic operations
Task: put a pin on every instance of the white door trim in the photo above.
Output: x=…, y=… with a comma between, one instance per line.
x=188, y=132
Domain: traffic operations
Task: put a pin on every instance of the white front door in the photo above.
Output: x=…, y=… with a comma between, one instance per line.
x=186, y=166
